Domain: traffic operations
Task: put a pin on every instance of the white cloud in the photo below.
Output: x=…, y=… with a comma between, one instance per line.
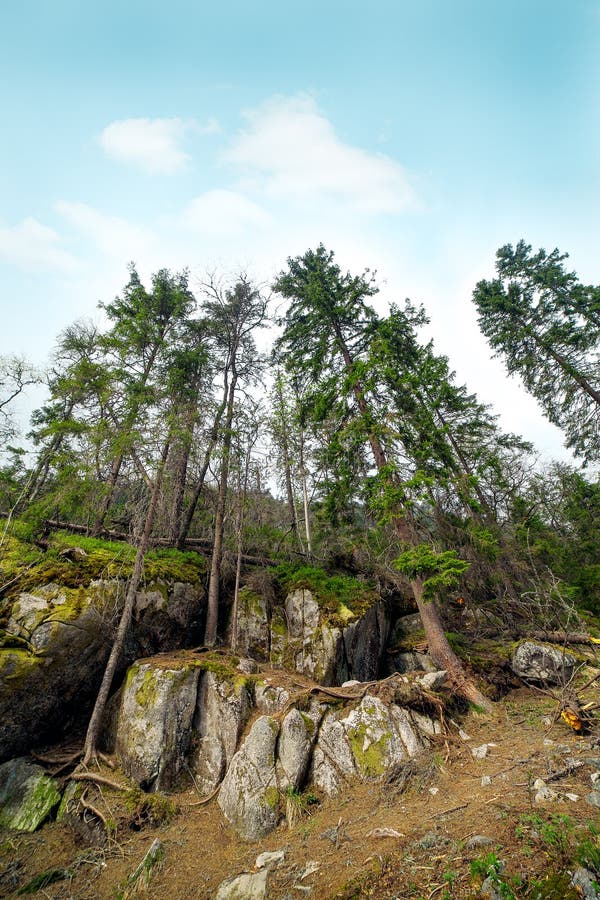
x=113, y=236
x=31, y=244
x=290, y=150
x=153, y=144
x=224, y=213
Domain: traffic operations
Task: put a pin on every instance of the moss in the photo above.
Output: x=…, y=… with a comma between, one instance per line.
x=16, y=665
x=37, y=800
x=341, y=597
x=309, y=723
x=26, y=567
x=145, y=694
x=369, y=755
x=272, y=797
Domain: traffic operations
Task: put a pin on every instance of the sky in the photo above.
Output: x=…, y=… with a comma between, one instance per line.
x=411, y=138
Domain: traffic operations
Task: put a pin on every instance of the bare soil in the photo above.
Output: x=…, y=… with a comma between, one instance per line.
x=450, y=826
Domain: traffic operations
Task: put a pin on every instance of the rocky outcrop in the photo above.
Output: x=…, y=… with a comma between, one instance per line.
x=542, y=663
x=155, y=719
x=57, y=643
x=329, y=649
x=61, y=643
x=27, y=795
x=366, y=742
x=222, y=709
x=249, y=797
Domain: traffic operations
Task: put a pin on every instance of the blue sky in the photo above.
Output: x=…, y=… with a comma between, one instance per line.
x=412, y=138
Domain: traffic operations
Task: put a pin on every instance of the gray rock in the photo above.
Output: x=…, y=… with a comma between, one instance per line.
x=479, y=840
x=433, y=681
x=298, y=734
x=270, y=859
x=27, y=795
x=269, y=698
x=542, y=663
x=251, y=886
x=248, y=666
x=543, y=794
x=249, y=797
x=593, y=798
x=489, y=888
x=222, y=709
x=253, y=626
x=155, y=721
x=332, y=761
x=585, y=883
x=168, y=616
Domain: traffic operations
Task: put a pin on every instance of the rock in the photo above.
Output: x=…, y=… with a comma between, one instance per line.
x=332, y=760
x=311, y=867
x=27, y=795
x=155, y=720
x=270, y=859
x=270, y=698
x=247, y=666
x=595, y=778
x=433, y=681
x=65, y=636
x=296, y=739
x=585, y=883
x=542, y=663
x=253, y=625
x=572, y=797
x=42, y=688
x=251, y=886
x=168, y=616
x=485, y=781
x=366, y=742
x=328, y=648
x=222, y=709
x=479, y=840
x=593, y=798
x=480, y=752
x=543, y=794
x=249, y=797
x=352, y=683
x=489, y=888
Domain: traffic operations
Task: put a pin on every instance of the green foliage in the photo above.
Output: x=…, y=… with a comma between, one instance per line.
x=337, y=594
x=437, y=570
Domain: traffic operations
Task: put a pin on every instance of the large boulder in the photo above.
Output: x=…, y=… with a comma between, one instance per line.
x=60, y=644
x=155, y=720
x=366, y=742
x=542, y=663
x=27, y=795
x=253, y=625
x=297, y=737
x=56, y=644
x=328, y=648
x=249, y=797
x=222, y=709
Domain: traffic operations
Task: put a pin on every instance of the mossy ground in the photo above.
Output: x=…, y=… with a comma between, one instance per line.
x=342, y=598
x=24, y=566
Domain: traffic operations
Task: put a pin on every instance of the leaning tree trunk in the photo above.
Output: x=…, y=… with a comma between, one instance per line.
x=440, y=650
x=91, y=738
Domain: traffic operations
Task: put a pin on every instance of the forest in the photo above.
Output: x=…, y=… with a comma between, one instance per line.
x=250, y=443
x=347, y=446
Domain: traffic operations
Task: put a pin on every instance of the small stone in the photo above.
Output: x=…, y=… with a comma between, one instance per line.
x=486, y=781
x=352, y=683
x=433, y=791
x=429, y=841
x=547, y=720
x=548, y=742
x=270, y=859
x=488, y=889
x=593, y=798
x=480, y=752
x=385, y=833
x=309, y=869
x=479, y=840
x=573, y=797
x=463, y=735
x=433, y=681
x=595, y=778
x=544, y=794
x=251, y=886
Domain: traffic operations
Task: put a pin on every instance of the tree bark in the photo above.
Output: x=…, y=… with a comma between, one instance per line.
x=93, y=730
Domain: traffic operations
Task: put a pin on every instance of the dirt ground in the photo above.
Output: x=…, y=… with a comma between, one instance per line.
x=452, y=828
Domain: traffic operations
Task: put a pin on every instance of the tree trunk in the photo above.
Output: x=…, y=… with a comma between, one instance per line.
x=91, y=738
x=212, y=612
